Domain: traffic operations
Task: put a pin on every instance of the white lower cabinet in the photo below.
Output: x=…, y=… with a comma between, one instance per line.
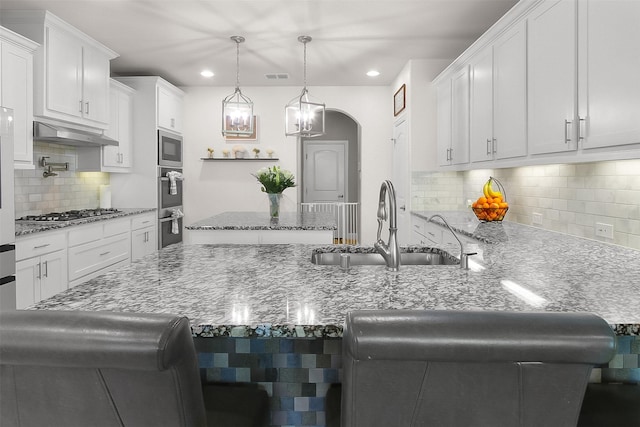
x=144, y=237
x=41, y=268
x=97, y=248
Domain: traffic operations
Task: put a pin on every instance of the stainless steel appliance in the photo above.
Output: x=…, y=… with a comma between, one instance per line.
x=169, y=149
x=7, y=213
x=169, y=207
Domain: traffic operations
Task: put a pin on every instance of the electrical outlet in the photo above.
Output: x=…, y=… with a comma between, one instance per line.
x=536, y=218
x=604, y=230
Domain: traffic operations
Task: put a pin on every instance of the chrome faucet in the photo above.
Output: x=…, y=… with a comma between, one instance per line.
x=390, y=251
x=464, y=256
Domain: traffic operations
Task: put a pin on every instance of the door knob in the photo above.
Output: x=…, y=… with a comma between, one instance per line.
x=403, y=208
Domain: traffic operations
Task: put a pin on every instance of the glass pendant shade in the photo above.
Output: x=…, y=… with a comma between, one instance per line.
x=304, y=116
x=237, y=109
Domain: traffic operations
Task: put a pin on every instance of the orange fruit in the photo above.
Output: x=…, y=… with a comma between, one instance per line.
x=485, y=205
x=482, y=200
x=503, y=204
x=494, y=205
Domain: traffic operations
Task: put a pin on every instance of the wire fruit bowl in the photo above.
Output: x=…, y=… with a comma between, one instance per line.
x=488, y=209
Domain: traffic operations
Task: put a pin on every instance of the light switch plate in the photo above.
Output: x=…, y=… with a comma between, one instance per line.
x=604, y=230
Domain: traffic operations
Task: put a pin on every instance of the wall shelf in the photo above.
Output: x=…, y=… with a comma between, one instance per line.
x=233, y=159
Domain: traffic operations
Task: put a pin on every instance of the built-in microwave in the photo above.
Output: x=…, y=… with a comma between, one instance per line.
x=169, y=149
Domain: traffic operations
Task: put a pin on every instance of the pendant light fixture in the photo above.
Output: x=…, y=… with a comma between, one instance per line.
x=304, y=116
x=237, y=109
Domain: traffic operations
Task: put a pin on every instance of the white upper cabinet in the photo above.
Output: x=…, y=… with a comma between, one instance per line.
x=453, y=119
x=609, y=62
x=110, y=158
x=169, y=108
x=71, y=69
x=499, y=98
x=16, y=92
x=444, y=121
x=120, y=128
x=481, y=125
x=510, y=93
x=459, y=153
x=552, y=77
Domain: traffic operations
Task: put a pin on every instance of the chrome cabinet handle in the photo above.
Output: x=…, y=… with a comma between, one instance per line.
x=80, y=106
x=488, y=145
x=581, y=122
x=495, y=145
x=46, y=269
x=105, y=253
x=567, y=134
x=87, y=107
x=173, y=122
x=39, y=275
x=41, y=246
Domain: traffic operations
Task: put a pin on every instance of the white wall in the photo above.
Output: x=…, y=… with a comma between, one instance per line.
x=215, y=187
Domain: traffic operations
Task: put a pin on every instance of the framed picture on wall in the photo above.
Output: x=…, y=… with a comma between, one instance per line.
x=399, y=100
x=252, y=137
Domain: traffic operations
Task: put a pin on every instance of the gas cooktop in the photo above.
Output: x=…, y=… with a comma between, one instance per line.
x=68, y=215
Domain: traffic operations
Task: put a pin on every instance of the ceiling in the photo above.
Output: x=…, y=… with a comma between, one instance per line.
x=176, y=39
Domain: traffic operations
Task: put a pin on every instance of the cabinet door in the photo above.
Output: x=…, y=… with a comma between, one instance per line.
x=17, y=94
x=481, y=124
x=444, y=122
x=510, y=93
x=608, y=71
x=169, y=110
x=125, y=131
x=27, y=277
x=460, y=117
x=64, y=73
x=111, y=154
x=95, y=86
x=552, y=77
x=53, y=277
x=143, y=242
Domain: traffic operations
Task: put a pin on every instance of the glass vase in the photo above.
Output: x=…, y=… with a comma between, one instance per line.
x=274, y=204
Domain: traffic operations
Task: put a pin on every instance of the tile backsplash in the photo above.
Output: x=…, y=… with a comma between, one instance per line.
x=571, y=198
x=35, y=194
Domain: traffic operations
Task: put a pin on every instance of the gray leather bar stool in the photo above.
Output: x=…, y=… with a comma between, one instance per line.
x=66, y=368
x=469, y=368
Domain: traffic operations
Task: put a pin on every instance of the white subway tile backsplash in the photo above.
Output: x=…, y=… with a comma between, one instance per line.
x=572, y=197
x=68, y=190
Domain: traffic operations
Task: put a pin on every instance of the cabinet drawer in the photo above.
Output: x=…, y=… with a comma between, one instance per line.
x=142, y=221
x=91, y=257
x=99, y=230
x=118, y=226
x=28, y=247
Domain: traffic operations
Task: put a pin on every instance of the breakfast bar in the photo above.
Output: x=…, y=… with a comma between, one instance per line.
x=266, y=314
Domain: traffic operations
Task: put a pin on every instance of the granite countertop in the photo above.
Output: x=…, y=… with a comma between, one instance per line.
x=24, y=228
x=262, y=221
x=248, y=290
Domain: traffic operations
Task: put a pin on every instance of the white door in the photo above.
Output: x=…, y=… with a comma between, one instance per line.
x=401, y=180
x=325, y=167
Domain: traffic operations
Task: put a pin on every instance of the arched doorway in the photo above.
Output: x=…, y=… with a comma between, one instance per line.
x=330, y=165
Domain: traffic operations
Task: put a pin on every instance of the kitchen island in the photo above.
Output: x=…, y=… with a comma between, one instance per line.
x=260, y=228
x=266, y=314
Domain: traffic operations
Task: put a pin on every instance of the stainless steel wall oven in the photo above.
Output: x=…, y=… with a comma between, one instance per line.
x=169, y=206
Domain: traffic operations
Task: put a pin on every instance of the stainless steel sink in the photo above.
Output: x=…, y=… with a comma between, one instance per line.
x=406, y=258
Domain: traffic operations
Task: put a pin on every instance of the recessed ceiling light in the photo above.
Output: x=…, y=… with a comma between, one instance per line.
x=373, y=73
x=207, y=73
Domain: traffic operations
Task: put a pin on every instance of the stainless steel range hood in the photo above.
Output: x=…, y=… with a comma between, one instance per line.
x=67, y=136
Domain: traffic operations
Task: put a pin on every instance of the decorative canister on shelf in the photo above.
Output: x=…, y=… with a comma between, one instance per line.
x=274, y=181
x=239, y=151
